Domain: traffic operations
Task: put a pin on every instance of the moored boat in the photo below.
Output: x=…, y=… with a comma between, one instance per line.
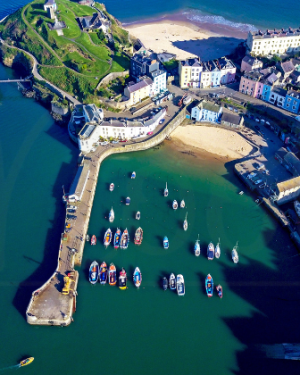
x=103, y=273
x=137, y=277
x=166, y=191
x=172, y=281
x=138, y=238
x=166, y=242
x=117, y=238
x=185, y=223
x=112, y=274
x=94, y=272
x=210, y=251
x=93, y=240
x=111, y=187
x=234, y=254
x=197, y=247
x=182, y=204
x=133, y=175
x=218, y=250
x=124, y=240
x=180, y=285
x=107, y=237
x=209, y=285
x=127, y=202
x=111, y=215
x=122, y=279
x=164, y=283
x=175, y=205
x=87, y=238
x=219, y=290
x=138, y=215
x=26, y=361
x=297, y=207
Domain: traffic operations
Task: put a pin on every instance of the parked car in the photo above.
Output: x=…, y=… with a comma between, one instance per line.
x=257, y=119
x=258, y=182
x=149, y=133
x=262, y=121
x=132, y=109
x=230, y=108
x=267, y=123
x=162, y=121
x=72, y=208
x=251, y=175
x=263, y=185
x=124, y=140
x=104, y=143
x=114, y=142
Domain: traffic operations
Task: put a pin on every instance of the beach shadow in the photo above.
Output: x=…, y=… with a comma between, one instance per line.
x=211, y=48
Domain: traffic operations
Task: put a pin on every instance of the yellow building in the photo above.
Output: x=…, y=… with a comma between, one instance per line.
x=190, y=73
x=138, y=91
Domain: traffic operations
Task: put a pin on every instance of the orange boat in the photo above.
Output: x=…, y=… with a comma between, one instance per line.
x=93, y=240
x=112, y=274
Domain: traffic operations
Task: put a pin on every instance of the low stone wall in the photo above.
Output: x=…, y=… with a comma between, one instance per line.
x=62, y=111
x=111, y=76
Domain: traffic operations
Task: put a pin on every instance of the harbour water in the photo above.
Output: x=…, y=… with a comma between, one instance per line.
x=148, y=330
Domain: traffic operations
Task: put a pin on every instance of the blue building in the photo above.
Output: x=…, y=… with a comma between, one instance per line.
x=292, y=101
x=215, y=74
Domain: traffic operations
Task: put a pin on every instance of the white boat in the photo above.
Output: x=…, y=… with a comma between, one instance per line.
x=197, y=247
x=111, y=215
x=297, y=207
x=175, y=205
x=133, y=175
x=182, y=204
x=185, y=223
x=166, y=191
x=180, y=285
x=172, y=281
x=210, y=251
x=138, y=215
x=234, y=254
x=107, y=237
x=218, y=250
x=111, y=187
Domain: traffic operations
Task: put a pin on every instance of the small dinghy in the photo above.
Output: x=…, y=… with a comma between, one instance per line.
x=180, y=285
x=117, y=238
x=107, y=237
x=124, y=240
x=220, y=291
x=209, y=285
x=138, y=237
x=112, y=274
x=137, y=277
x=127, y=202
x=93, y=240
x=133, y=175
x=175, y=205
x=166, y=242
x=111, y=215
x=87, y=238
x=185, y=223
x=172, y=281
x=111, y=187
x=103, y=273
x=164, y=283
x=197, y=247
x=123, y=279
x=94, y=272
x=138, y=215
x=218, y=250
x=234, y=254
x=210, y=251
x=166, y=191
x=182, y=204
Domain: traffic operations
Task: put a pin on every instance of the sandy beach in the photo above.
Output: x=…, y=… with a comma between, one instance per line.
x=183, y=38
x=221, y=142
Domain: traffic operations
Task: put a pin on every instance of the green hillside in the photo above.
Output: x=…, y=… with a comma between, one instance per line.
x=74, y=61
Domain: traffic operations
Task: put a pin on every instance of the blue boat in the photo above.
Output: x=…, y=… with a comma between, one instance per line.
x=164, y=283
x=133, y=175
x=209, y=285
x=197, y=247
x=172, y=281
x=124, y=240
x=117, y=238
x=210, y=251
x=127, y=201
x=137, y=277
x=94, y=272
x=166, y=242
x=103, y=273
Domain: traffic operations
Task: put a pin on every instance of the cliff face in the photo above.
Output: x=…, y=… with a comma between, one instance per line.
x=16, y=60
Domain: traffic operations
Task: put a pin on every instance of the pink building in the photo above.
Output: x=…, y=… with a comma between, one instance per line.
x=250, y=63
x=250, y=84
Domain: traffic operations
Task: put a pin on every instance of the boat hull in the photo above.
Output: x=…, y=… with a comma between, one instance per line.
x=26, y=361
x=117, y=238
x=138, y=238
x=107, y=237
x=180, y=286
x=137, y=277
x=172, y=281
x=209, y=285
x=210, y=251
x=175, y=205
x=122, y=280
x=103, y=273
x=124, y=240
x=94, y=272
x=112, y=274
x=166, y=243
x=93, y=240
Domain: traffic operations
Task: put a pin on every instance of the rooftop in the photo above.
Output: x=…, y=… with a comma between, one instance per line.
x=139, y=85
x=191, y=62
x=288, y=185
x=251, y=60
x=279, y=91
x=231, y=118
x=93, y=113
x=86, y=131
x=79, y=180
x=274, y=33
x=295, y=94
x=209, y=106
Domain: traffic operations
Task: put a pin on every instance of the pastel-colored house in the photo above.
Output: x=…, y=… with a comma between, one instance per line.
x=292, y=101
x=206, y=112
x=277, y=97
x=138, y=91
x=250, y=63
x=228, y=70
x=190, y=73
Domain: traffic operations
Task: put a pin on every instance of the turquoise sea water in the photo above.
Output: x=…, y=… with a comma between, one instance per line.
x=146, y=331
x=240, y=14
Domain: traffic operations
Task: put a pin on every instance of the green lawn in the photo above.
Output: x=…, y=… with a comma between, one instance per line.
x=95, y=39
x=102, y=52
x=120, y=63
x=77, y=9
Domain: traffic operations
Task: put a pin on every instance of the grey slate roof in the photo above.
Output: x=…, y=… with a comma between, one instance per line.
x=231, y=118
x=287, y=66
x=279, y=91
x=295, y=94
x=137, y=86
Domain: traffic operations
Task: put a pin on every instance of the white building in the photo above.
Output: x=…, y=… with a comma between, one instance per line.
x=288, y=190
x=50, y=4
x=159, y=78
x=88, y=113
x=271, y=42
x=79, y=183
x=207, y=112
x=121, y=130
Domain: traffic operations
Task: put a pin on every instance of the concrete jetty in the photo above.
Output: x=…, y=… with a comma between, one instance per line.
x=48, y=305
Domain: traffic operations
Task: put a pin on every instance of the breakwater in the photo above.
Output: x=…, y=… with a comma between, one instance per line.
x=48, y=306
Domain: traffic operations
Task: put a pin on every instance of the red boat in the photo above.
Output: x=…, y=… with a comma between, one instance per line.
x=220, y=290
x=93, y=240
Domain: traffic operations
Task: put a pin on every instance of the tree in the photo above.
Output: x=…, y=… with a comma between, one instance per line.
x=276, y=58
x=101, y=35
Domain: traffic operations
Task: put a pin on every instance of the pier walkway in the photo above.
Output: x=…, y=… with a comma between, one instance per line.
x=48, y=306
